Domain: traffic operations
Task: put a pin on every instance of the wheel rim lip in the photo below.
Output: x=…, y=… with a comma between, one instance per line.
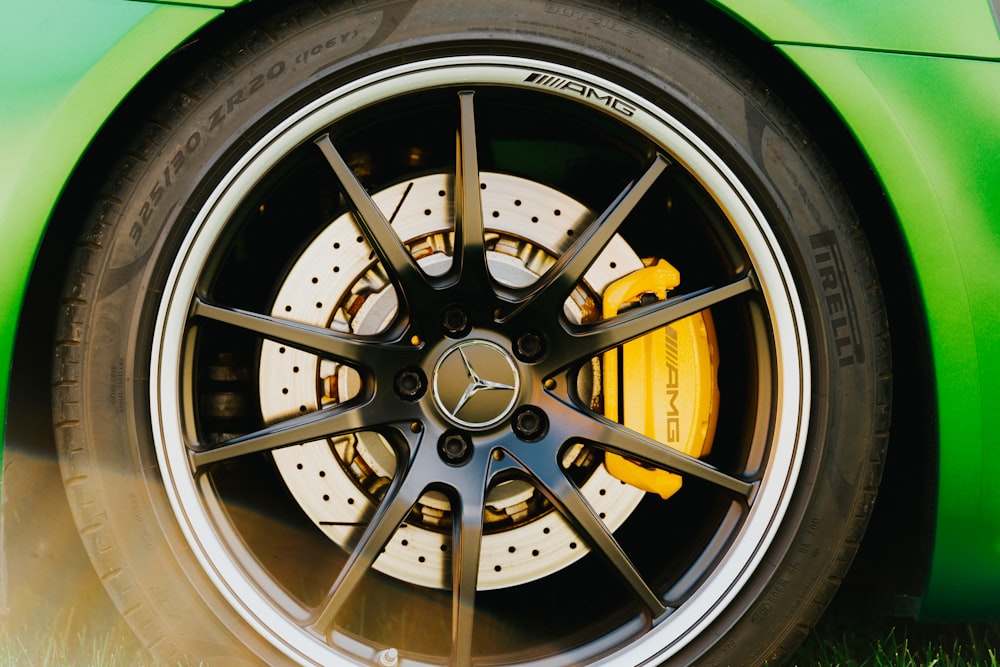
x=792, y=375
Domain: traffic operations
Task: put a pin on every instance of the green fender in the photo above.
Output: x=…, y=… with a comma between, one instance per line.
x=964, y=28
x=929, y=127
x=64, y=68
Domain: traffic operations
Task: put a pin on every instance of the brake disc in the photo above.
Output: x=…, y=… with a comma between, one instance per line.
x=338, y=283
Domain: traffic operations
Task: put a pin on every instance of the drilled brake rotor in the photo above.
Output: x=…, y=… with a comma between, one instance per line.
x=337, y=283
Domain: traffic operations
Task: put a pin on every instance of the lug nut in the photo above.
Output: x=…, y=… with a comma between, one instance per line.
x=455, y=322
x=530, y=424
x=410, y=383
x=529, y=347
x=455, y=447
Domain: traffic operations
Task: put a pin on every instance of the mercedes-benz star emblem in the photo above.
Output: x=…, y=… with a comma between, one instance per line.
x=476, y=384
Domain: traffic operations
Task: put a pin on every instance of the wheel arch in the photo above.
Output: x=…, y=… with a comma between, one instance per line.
x=188, y=38
x=56, y=161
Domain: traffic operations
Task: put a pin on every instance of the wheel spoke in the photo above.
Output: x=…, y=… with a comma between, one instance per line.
x=468, y=537
x=566, y=497
x=356, y=350
x=391, y=250
x=581, y=343
x=606, y=434
x=342, y=418
x=470, y=252
x=554, y=287
x=403, y=494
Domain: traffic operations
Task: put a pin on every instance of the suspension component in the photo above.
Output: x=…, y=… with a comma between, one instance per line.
x=663, y=384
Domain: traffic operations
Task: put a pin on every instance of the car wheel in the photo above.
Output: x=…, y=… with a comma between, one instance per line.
x=471, y=333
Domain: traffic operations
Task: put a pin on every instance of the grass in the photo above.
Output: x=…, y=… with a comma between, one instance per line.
x=838, y=641
x=902, y=644
x=32, y=648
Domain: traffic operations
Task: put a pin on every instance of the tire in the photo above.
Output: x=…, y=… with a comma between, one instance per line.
x=305, y=416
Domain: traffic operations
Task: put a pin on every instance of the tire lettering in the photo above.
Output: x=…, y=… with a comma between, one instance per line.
x=837, y=300
x=761, y=612
x=116, y=383
x=590, y=17
x=179, y=160
x=140, y=519
x=236, y=98
x=317, y=49
x=256, y=83
x=216, y=118
x=156, y=193
x=192, y=142
x=276, y=70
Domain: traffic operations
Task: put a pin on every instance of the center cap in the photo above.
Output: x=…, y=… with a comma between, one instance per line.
x=476, y=384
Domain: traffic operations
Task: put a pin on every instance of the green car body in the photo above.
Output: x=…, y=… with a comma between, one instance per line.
x=916, y=85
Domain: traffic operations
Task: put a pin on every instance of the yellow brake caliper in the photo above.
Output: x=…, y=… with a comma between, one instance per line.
x=663, y=384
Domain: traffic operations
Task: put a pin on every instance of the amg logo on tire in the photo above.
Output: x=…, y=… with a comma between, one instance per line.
x=584, y=90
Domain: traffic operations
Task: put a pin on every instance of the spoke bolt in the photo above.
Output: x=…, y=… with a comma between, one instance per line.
x=529, y=347
x=455, y=322
x=455, y=447
x=530, y=424
x=410, y=383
